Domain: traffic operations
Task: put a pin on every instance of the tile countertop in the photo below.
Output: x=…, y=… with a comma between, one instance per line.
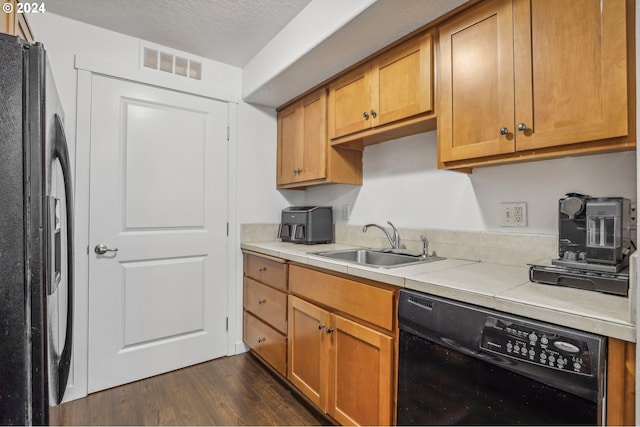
x=501, y=287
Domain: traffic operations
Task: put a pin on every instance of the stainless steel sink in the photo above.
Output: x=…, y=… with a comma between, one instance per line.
x=376, y=258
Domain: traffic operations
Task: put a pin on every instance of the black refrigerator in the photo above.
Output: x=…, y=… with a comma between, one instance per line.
x=36, y=238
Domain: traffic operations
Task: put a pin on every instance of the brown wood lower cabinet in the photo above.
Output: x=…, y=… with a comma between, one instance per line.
x=343, y=367
x=340, y=364
x=621, y=383
x=265, y=309
x=308, y=350
x=361, y=363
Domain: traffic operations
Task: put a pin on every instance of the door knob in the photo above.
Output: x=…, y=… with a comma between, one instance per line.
x=102, y=249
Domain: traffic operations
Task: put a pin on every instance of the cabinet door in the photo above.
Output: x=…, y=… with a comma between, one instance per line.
x=361, y=374
x=15, y=23
x=308, y=350
x=571, y=71
x=7, y=20
x=476, y=83
x=290, y=149
x=314, y=134
x=350, y=102
x=401, y=81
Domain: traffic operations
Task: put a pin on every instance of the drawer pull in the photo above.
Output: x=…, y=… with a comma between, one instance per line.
x=261, y=269
x=261, y=340
x=261, y=301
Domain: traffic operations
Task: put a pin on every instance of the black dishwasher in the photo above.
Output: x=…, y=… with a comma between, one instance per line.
x=461, y=364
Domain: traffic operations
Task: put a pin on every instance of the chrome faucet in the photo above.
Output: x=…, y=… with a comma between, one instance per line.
x=394, y=241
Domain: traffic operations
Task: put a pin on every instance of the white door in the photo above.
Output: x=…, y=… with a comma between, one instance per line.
x=158, y=195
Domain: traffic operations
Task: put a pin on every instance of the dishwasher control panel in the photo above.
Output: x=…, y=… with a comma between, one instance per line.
x=537, y=346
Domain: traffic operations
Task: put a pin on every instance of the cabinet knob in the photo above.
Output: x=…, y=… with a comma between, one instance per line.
x=320, y=326
x=261, y=340
x=261, y=301
x=504, y=131
x=261, y=269
x=373, y=113
x=365, y=115
x=329, y=330
x=522, y=127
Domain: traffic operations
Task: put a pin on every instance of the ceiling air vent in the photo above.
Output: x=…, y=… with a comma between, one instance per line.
x=169, y=63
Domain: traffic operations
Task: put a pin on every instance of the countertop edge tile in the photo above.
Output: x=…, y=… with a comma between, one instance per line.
x=607, y=327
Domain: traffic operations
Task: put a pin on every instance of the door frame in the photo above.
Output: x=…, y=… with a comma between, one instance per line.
x=87, y=67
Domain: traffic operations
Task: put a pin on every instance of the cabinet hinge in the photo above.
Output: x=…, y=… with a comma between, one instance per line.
x=227, y=229
x=228, y=133
x=227, y=324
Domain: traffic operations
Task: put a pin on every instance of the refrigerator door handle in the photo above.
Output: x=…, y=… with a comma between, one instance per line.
x=62, y=154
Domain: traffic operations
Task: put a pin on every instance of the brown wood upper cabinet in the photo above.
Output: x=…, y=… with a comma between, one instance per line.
x=521, y=80
x=394, y=86
x=304, y=154
x=15, y=23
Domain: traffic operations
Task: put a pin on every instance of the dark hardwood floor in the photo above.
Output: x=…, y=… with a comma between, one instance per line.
x=235, y=390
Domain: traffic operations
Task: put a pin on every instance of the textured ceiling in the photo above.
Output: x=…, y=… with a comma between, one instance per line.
x=229, y=31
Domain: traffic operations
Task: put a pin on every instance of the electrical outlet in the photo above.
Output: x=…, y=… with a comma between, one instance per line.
x=514, y=214
x=345, y=212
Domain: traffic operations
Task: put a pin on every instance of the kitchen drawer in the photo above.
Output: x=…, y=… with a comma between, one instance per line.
x=268, y=270
x=266, y=342
x=266, y=303
x=366, y=302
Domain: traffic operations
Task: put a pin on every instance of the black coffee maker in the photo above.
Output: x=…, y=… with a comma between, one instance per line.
x=594, y=244
x=594, y=233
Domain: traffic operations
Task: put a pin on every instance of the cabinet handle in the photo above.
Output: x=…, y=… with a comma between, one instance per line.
x=261, y=269
x=374, y=114
x=297, y=171
x=504, y=131
x=261, y=340
x=522, y=127
x=320, y=326
x=365, y=115
x=261, y=301
x=329, y=330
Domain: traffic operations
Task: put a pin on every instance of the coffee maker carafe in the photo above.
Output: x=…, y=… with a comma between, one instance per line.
x=608, y=230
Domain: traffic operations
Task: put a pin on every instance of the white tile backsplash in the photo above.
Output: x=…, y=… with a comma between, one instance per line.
x=492, y=247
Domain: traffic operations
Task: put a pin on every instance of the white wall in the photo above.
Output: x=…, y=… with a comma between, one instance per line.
x=260, y=201
x=401, y=183
x=252, y=150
